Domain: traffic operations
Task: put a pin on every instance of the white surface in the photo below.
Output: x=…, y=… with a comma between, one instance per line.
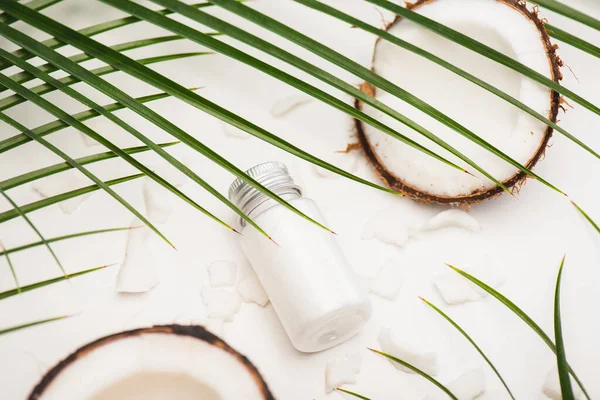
x=342, y=371
x=468, y=385
x=222, y=273
x=530, y=233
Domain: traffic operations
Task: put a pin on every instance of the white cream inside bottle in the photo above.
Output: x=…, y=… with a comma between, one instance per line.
x=314, y=291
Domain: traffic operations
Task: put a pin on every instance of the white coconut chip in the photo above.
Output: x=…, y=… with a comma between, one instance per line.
x=455, y=289
x=551, y=387
x=380, y=229
x=346, y=161
x=138, y=271
x=221, y=303
x=342, y=371
x=285, y=105
x=451, y=218
x=251, y=291
x=222, y=273
x=468, y=385
x=386, y=284
x=411, y=352
x=215, y=325
x=234, y=133
x=158, y=204
x=61, y=183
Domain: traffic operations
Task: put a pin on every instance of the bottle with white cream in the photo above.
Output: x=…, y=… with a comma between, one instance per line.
x=314, y=291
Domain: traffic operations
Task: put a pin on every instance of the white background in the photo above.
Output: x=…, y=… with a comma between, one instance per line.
x=526, y=236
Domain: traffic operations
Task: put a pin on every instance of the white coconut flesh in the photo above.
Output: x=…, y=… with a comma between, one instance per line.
x=500, y=26
x=156, y=366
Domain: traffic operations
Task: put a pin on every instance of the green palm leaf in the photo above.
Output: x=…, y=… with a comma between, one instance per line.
x=92, y=30
x=59, y=238
x=521, y=314
x=365, y=73
x=561, y=357
x=29, y=324
x=243, y=36
x=319, y=6
x=34, y=5
x=418, y=372
x=96, y=136
x=360, y=396
x=587, y=217
x=13, y=100
x=131, y=67
x=19, y=210
x=37, y=285
x=24, y=76
x=36, y=205
x=484, y=50
x=12, y=267
x=572, y=40
x=569, y=12
x=466, y=335
x=56, y=125
x=60, y=167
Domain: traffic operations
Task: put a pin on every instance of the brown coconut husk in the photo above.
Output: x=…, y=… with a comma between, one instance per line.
x=514, y=182
x=196, y=332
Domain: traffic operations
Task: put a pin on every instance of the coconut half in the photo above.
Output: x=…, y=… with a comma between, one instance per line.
x=505, y=25
x=158, y=363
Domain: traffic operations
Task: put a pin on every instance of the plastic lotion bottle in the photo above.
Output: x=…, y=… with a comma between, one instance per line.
x=315, y=293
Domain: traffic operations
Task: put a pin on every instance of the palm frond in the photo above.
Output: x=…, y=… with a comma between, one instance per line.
x=521, y=314
x=34, y=5
x=418, y=372
x=466, y=335
x=319, y=6
x=131, y=67
x=586, y=216
x=56, y=125
x=24, y=76
x=12, y=267
x=36, y=205
x=22, y=214
x=561, y=357
x=38, y=285
x=13, y=100
x=61, y=167
x=569, y=12
x=30, y=324
x=245, y=37
x=355, y=68
x=354, y=394
x=65, y=117
x=484, y=50
x=64, y=237
x=572, y=40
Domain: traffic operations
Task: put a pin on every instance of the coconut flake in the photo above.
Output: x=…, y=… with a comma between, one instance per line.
x=341, y=371
x=388, y=280
x=222, y=273
x=215, y=325
x=234, y=133
x=221, y=303
x=551, y=387
x=346, y=161
x=381, y=229
x=158, y=205
x=468, y=385
x=455, y=289
x=62, y=183
x=285, y=105
x=451, y=218
x=251, y=291
x=411, y=352
x=138, y=271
